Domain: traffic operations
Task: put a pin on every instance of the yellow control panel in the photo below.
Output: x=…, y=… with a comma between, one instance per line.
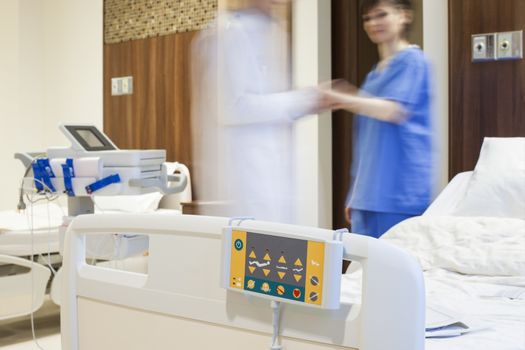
x=276, y=266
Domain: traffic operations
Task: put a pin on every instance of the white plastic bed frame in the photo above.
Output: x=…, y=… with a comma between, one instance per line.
x=180, y=304
x=22, y=294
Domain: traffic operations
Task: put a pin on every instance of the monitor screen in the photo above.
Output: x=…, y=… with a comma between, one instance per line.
x=90, y=138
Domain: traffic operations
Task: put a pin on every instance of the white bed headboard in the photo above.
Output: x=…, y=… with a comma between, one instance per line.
x=181, y=295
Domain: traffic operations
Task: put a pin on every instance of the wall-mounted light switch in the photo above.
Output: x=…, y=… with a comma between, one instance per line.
x=510, y=45
x=483, y=47
x=121, y=86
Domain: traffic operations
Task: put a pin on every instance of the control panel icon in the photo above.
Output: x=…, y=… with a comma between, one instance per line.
x=314, y=281
x=251, y=284
x=265, y=287
x=238, y=244
x=281, y=290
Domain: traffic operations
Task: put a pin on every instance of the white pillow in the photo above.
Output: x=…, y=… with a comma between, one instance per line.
x=497, y=186
x=143, y=203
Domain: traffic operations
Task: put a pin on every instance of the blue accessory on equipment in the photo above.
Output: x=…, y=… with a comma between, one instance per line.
x=111, y=179
x=38, y=176
x=69, y=173
x=42, y=172
x=44, y=165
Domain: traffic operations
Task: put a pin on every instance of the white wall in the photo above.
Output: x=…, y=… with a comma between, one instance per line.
x=50, y=71
x=435, y=39
x=311, y=57
x=73, y=61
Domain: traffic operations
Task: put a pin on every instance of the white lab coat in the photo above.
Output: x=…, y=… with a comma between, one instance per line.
x=245, y=146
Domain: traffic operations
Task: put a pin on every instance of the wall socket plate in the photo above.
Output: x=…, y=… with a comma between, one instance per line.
x=483, y=47
x=122, y=86
x=510, y=45
x=497, y=46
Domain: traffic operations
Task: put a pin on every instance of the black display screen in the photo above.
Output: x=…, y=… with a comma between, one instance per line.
x=90, y=138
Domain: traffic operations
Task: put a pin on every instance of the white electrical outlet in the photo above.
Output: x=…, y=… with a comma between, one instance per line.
x=510, y=45
x=122, y=86
x=483, y=47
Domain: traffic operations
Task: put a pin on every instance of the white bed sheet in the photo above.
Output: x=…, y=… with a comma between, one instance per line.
x=485, y=302
x=15, y=234
x=15, y=230
x=18, y=243
x=449, y=249
x=42, y=217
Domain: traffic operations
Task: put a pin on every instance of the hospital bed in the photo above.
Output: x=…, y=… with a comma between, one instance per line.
x=120, y=180
x=185, y=293
x=470, y=244
x=18, y=242
x=473, y=266
x=23, y=282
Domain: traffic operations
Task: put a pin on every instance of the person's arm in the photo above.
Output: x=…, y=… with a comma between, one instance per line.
x=348, y=215
x=241, y=101
x=402, y=86
x=382, y=109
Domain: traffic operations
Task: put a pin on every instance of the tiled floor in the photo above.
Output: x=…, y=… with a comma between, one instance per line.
x=15, y=334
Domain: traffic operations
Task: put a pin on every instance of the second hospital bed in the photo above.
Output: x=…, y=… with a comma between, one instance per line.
x=36, y=233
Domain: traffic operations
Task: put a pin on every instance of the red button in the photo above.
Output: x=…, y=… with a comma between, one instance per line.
x=296, y=293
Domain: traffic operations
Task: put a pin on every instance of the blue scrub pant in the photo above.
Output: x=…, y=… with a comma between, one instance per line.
x=373, y=223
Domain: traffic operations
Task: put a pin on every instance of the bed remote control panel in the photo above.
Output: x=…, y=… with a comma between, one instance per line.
x=283, y=267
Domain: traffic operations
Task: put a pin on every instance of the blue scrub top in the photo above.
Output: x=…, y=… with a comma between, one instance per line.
x=392, y=166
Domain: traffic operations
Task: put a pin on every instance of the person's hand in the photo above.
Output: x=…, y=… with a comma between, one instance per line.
x=323, y=101
x=348, y=215
x=327, y=101
x=344, y=87
x=339, y=93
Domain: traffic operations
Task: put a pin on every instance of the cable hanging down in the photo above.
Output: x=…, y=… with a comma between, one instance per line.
x=276, y=307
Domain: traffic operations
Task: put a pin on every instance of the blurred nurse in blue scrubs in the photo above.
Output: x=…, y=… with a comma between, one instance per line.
x=391, y=174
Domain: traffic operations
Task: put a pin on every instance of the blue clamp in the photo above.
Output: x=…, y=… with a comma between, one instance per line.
x=95, y=186
x=43, y=173
x=69, y=173
x=38, y=176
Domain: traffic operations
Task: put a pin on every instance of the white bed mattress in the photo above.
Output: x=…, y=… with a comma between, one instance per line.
x=473, y=266
x=15, y=230
x=15, y=233
x=18, y=243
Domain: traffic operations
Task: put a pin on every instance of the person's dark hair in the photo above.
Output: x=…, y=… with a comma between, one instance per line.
x=406, y=5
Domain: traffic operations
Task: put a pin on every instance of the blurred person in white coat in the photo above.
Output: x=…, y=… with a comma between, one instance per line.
x=244, y=113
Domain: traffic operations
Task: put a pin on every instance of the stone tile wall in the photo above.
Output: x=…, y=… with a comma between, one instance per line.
x=139, y=19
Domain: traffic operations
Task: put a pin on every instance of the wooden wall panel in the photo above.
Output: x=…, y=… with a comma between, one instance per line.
x=157, y=114
x=353, y=55
x=486, y=99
